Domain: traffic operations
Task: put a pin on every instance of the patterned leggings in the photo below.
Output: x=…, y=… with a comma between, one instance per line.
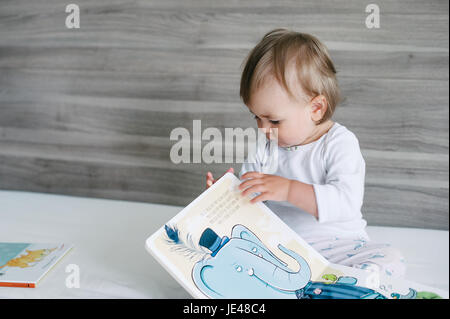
x=360, y=253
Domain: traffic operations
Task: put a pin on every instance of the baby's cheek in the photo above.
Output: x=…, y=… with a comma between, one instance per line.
x=285, y=136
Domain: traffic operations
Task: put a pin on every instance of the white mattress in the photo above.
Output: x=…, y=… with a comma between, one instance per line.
x=109, y=239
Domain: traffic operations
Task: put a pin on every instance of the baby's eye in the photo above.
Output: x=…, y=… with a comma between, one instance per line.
x=275, y=122
x=255, y=117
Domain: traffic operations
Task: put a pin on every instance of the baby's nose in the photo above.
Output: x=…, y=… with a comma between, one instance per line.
x=269, y=132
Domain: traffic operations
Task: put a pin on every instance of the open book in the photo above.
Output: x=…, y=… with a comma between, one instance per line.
x=223, y=246
x=25, y=264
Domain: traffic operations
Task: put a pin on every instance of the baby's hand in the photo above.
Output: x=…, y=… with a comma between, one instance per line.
x=210, y=179
x=271, y=187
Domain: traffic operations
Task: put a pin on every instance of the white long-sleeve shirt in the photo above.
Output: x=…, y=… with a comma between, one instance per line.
x=335, y=167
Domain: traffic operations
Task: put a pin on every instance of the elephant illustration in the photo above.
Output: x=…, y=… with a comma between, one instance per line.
x=243, y=267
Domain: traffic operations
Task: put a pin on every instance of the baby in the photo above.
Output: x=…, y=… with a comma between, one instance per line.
x=289, y=84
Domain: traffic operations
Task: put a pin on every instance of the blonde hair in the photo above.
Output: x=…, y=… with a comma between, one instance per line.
x=313, y=67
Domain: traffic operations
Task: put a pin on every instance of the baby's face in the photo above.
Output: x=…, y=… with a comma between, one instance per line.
x=274, y=108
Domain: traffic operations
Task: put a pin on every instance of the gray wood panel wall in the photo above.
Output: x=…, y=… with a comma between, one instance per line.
x=89, y=111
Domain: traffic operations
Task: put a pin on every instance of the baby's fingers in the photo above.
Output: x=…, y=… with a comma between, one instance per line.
x=252, y=175
x=259, y=188
x=260, y=198
x=250, y=182
x=209, y=179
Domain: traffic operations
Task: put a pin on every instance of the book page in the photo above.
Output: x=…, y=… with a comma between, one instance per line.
x=222, y=209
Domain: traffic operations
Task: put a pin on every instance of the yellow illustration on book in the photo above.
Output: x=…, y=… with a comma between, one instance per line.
x=32, y=256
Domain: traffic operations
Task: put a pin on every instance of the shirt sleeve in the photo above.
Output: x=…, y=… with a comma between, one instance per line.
x=341, y=197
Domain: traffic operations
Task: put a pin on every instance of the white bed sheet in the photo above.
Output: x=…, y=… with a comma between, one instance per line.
x=109, y=238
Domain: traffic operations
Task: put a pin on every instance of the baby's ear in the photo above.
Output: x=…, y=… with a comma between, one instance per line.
x=319, y=106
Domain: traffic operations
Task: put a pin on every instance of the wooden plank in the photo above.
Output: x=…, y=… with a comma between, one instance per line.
x=218, y=62
x=405, y=115
x=248, y=6
x=102, y=180
x=426, y=170
x=406, y=206
x=402, y=168
x=130, y=25
x=396, y=115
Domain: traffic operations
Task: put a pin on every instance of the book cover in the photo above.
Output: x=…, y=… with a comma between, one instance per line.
x=25, y=264
x=223, y=246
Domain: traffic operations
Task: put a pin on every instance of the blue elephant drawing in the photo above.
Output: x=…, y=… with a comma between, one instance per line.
x=241, y=266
